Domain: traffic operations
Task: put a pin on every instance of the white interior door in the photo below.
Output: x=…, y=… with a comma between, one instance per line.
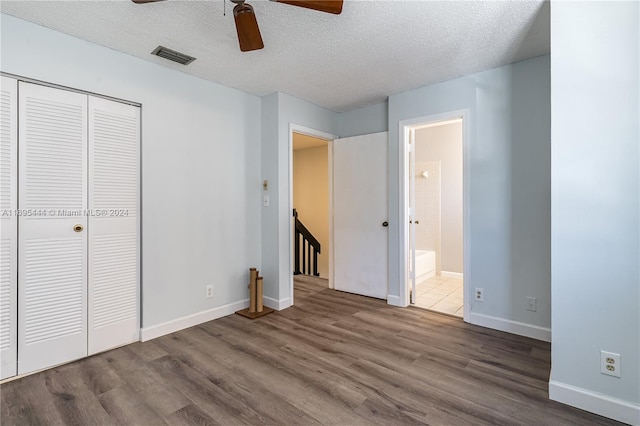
x=114, y=131
x=360, y=207
x=8, y=227
x=52, y=242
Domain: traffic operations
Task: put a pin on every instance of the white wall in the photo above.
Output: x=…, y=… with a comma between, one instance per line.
x=444, y=144
x=509, y=184
x=284, y=110
x=311, y=197
x=200, y=166
x=595, y=95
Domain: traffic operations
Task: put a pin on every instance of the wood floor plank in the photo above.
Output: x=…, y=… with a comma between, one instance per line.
x=318, y=377
x=147, y=351
x=164, y=400
x=206, y=393
x=255, y=391
x=289, y=383
x=28, y=402
x=98, y=375
x=124, y=405
x=334, y=358
x=445, y=394
x=191, y=415
x=75, y=402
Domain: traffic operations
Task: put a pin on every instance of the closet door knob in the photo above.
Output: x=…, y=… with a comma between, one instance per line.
x=78, y=228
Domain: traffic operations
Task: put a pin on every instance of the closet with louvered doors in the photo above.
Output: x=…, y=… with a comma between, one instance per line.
x=77, y=227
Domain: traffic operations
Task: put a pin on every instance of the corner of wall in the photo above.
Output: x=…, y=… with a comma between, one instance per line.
x=269, y=218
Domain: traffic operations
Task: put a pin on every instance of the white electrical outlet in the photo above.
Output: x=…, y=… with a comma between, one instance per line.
x=479, y=294
x=531, y=304
x=610, y=363
x=209, y=292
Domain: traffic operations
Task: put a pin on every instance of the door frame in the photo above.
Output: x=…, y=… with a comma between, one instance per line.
x=405, y=126
x=297, y=128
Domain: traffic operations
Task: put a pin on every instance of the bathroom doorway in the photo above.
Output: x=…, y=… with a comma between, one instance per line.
x=435, y=188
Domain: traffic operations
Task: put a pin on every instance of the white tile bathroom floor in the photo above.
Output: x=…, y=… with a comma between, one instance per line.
x=440, y=294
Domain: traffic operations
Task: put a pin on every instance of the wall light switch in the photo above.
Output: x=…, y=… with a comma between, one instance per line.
x=265, y=201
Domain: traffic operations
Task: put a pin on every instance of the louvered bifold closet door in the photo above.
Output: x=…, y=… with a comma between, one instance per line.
x=52, y=240
x=114, y=135
x=8, y=227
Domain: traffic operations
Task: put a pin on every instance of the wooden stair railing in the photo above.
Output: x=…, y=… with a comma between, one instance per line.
x=307, y=248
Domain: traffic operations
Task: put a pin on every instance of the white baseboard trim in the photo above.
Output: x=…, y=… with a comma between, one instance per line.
x=595, y=402
x=276, y=304
x=148, y=333
x=425, y=277
x=452, y=274
x=395, y=301
x=510, y=326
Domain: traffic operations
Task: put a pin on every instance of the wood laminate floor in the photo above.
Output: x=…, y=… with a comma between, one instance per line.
x=334, y=358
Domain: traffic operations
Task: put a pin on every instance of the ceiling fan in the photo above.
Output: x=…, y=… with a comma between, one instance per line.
x=247, y=25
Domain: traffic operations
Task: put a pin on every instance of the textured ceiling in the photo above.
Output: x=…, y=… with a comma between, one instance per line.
x=372, y=50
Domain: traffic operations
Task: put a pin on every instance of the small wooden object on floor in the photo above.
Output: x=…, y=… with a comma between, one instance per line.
x=256, y=308
x=259, y=294
x=253, y=276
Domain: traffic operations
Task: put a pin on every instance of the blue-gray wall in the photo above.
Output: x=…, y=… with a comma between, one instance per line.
x=280, y=112
x=364, y=121
x=200, y=154
x=595, y=77
x=509, y=187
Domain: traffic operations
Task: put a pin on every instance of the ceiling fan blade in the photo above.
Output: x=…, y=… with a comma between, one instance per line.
x=247, y=28
x=329, y=6
x=145, y=1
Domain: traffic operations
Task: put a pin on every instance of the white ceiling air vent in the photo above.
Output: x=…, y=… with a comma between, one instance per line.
x=172, y=55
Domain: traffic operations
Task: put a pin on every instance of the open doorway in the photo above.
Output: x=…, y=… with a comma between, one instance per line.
x=438, y=205
x=311, y=212
x=435, y=159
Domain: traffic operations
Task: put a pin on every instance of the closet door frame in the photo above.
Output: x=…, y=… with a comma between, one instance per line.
x=9, y=232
